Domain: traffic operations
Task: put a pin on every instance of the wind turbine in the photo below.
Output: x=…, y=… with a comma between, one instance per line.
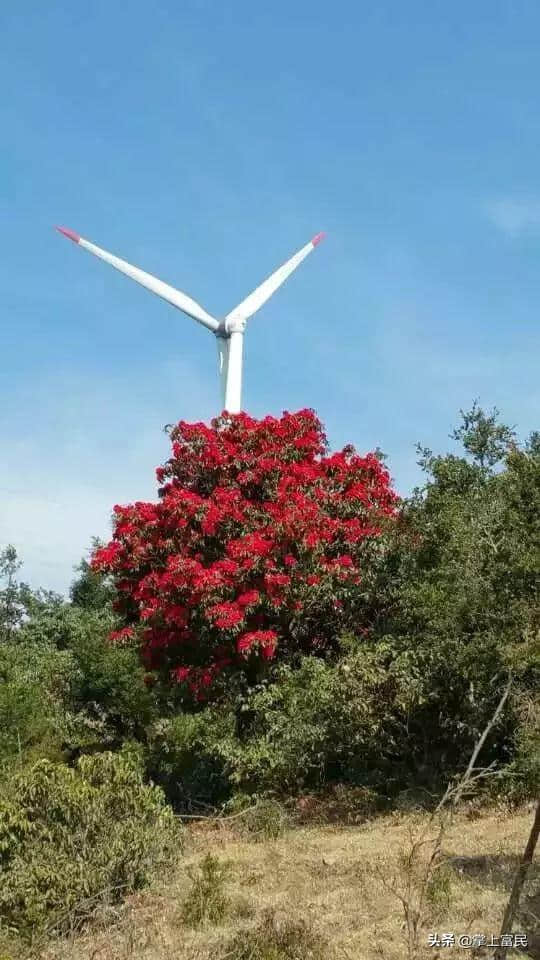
x=229, y=331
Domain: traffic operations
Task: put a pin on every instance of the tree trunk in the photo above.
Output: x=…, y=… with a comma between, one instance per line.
x=519, y=880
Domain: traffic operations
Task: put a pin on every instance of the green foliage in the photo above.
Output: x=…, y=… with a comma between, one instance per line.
x=110, y=681
x=18, y=603
x=521, y=779
x=457, y=686
x=394, y=709
x=320, y=723
x=460, y=593
x=68, y=835
x=385, y=717
x=483, y=437
x=57, y=703
x=439, y=891
x=207, y=901
x=264, y=820
x=189, y=755
x=11, y=602
x=34, y=688
x=56, y=624
x=467, y=556
x=274, y=940
x=91, y=590
x=107, y=694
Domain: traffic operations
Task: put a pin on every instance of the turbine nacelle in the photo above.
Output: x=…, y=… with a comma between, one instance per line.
x=229, y=331
x=230, y=325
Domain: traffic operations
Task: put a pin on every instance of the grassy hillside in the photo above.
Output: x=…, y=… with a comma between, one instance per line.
x=326, y=888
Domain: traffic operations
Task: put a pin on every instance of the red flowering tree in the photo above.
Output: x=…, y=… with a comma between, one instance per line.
x=258, y=548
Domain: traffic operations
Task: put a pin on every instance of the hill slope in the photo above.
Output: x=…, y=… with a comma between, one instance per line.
x=335, y=879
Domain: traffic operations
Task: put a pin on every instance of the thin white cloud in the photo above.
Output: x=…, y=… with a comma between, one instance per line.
x=515, y=216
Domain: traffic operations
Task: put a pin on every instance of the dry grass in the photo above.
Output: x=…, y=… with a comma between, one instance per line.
x=323, y=877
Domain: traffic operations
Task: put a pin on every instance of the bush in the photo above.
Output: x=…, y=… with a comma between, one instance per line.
x=521, y=779
x=109, y=685
x=265, y=819
x=65, y=690
x=322, y=723
x=275, y=940
x=68, y=836
x=91, y=590
x=317, y=724
x=189, y=755
x=207, y=901
x=34, y=688
x=384, y=718
x=439, y=891
x=107, y=696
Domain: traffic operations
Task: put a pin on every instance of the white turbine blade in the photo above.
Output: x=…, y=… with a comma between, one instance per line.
x=255, y=300
x=178, y=299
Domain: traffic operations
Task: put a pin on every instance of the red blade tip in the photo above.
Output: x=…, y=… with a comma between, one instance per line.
x=69, y=233
x=317, y=239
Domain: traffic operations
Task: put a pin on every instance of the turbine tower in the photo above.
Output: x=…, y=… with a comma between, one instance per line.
x=229, y=331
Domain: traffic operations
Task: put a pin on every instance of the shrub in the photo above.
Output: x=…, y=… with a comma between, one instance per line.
x=107, y=694
x=251, y=554
x=264, y=820
x=466, y=554
x=110, y=685
x=189, y=755
x=322, y=723
x=385, y=717
x=65, y=690
x=68, y=836
x=458, y=682
x=11, y=594
x=273, y=939
x=34, y=689
x=91, y=590
x=521, y=779
x=439, y=892
x=207, y=901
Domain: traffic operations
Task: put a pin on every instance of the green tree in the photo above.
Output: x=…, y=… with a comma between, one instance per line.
x=91, y=590
x=460, y=592
x=11, y=605
x=467, y=554
x=483, y=437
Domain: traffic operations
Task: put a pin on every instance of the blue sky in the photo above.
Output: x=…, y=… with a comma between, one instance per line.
x=207, y=142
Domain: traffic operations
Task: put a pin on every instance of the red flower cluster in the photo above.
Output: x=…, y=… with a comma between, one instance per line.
x=258, y=537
